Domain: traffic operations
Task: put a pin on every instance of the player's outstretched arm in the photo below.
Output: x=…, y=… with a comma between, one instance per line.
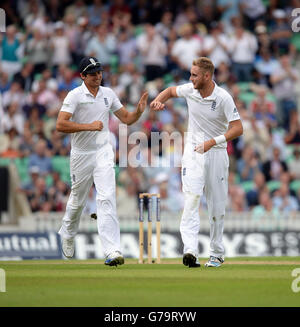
x=158, y=103
x=129, y=118
x=63, y=124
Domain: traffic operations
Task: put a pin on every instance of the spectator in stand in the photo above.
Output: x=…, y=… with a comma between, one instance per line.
x=259, y=186
x=227, y=9
x=236, y=195
x=252, y=12
x=32, y=102
x=266, y=65
x=39, y=195
x=25, y=77
x=26, y=143
x=293, y=134
x=294, y=164
x=216, y=45
x=83, y=33
x=10, y=44
x=102, y=45
x=127, y=198
x=14, y=95
x=95, y=11
x=185, y=50
x=273, y=168
x=265, y=206
x=34, y=123
x=5, y=83
x=40, y=158
x=283, y=201
x=224, y=77
x=71, y=32
x=165, y=25
x=45, y=96
x=11, y=144
x=281, y=33
x=263, y=110
x=116, y=87
x=283, y=80
x=69, y=82
x=118, y=7
x=249, y=164
x=54, y=9
x=76, y=9
x=60, y=46
x=126, y=48
x=38, y=51
x=28, y=187
x=263, y=37
x=153, y=49
x=13, y=118
x=243, y=47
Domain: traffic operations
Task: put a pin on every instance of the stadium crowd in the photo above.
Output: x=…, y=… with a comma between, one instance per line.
x=151, y=45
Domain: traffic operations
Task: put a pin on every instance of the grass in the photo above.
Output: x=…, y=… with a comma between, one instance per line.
x=240, y=282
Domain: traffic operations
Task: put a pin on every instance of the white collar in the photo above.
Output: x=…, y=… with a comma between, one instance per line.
x=86, y=90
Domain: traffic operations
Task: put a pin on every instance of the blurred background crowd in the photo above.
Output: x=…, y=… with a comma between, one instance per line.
x=150, y=45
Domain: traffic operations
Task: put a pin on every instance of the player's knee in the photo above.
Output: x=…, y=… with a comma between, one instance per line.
x=191, y=202
x=105, y=205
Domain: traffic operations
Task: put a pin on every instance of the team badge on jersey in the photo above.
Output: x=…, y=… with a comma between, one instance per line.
x=213, y=106
x=106, y=102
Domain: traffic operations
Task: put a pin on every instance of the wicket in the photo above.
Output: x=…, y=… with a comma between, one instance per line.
x=141, y=226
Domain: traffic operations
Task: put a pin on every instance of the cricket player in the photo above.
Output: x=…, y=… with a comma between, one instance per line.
x=213, y=120
x=85, y=114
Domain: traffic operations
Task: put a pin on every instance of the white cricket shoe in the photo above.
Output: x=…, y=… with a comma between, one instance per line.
x=114, y=259
x=68, y=247
x=214, y=262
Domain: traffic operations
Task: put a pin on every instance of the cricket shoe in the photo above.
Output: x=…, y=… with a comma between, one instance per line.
x=214, y=262
x=114, y=259
x=190, y=260
x=68, y=247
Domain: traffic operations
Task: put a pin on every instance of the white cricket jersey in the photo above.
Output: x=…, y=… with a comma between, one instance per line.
x=208, y=116
x=85, y=109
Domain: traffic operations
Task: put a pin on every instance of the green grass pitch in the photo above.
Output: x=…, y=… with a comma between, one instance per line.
x=240, y=282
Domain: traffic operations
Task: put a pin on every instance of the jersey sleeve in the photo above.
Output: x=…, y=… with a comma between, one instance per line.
x=116, y=103
x=184, y=90
x=69, y=103
x=230, y=110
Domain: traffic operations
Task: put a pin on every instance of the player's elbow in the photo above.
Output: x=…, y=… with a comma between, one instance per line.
x=240, y=130
x=59, y=126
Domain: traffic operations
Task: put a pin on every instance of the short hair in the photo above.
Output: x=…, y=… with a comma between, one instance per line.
x=205, y=64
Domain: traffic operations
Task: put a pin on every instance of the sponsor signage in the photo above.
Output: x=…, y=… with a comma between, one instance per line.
x=88, y=245
x=17, y=246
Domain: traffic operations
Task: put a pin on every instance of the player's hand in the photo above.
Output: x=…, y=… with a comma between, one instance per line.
x=96, y=125
x=157, y=105
x=204, y=147
x=142, y=103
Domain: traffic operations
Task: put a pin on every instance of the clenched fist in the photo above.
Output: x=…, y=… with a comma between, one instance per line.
x=157, y=105
x=96, y=125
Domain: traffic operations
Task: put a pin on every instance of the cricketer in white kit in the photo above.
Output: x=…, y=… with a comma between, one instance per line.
x=213, y=120
x=85, y=114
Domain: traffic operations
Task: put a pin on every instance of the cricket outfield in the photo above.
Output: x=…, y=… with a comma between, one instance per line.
x=240, y=282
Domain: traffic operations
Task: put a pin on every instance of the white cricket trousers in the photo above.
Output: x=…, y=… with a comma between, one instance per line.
x=86, y=168
x=206, y=173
